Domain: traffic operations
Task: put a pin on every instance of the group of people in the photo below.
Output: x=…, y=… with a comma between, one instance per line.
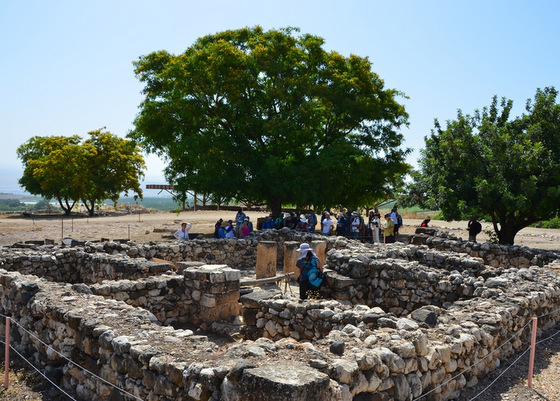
x=353, y=225
x=242, y=228
x=344, y=223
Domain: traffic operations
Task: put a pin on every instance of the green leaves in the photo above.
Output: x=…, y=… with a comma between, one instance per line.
x=102, y=167
x=260, y=114
x=489, y=164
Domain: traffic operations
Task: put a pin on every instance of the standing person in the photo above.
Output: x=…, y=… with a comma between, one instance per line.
x=355, y=225
x=182, y=234
x=474, y=228
x=312, y=221
x=397, y=221
x=239, y=219
x=341, y=225
x=310, y=276
x=389, y=229
x=375, y=224
x=326, y=224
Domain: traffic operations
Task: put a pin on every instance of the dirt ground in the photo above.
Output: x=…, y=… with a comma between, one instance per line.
x=145, y=227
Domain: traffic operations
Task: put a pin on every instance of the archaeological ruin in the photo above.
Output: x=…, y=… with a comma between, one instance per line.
x=198, y=320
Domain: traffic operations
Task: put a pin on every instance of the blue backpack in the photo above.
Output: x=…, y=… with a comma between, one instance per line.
x=310, y=273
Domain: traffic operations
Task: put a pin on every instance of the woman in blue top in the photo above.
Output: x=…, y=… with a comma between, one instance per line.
x=310, y=276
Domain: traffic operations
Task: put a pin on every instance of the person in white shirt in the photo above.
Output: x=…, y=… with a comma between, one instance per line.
x=326, y=224
x=182, y=234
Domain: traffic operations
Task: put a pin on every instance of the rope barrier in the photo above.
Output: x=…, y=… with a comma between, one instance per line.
x=473, y=365
x=415, y=399
x=500, y=375
x=41, y=373
x=69, y=360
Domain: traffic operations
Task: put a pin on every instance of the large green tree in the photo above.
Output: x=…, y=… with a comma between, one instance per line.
x=489, y=164
x=267, y=116
x=101, y=167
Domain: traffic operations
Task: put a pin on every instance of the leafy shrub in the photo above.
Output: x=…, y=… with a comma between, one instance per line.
x=552, y=223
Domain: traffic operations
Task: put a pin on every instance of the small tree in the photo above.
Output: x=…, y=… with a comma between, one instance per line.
x=51, y=168
x=490, y=165
x=100, y=168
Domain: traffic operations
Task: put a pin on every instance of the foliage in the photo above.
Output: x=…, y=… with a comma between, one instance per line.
x=490, y=165
x=9, y=205
x=69, y=170
x=51, y=168
x=265, y=116
x=492, y=236
x=552, y=223
x=111, y=166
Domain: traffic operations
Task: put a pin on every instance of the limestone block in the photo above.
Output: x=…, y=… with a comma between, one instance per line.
x=266, y=259
x=320, y=247
x=285, y=382
x=291, y=256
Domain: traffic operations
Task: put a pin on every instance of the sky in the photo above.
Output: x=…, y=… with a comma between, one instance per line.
x=66, y=66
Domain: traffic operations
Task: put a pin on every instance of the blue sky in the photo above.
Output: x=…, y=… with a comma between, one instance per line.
x=66, y=66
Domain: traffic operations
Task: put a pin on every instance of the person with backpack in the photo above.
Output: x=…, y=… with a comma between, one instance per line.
x=474, y=228
x=311, y=272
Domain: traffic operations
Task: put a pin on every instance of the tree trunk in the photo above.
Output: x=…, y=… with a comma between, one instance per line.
x=275, y=207
x=506, y=233
x=68, y=208
x=90, y=209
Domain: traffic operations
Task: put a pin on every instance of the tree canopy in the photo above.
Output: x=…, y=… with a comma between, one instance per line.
x=488, y=164
x=265, y=116
x=67, y=169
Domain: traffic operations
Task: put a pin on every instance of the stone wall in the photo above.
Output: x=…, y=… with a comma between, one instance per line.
x=492, y=254
x=403, y=320
x=197, y=295
x=96, y=262
x=343, y=350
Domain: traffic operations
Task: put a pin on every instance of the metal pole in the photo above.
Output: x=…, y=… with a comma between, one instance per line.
x=7, y=356
x=532, y=357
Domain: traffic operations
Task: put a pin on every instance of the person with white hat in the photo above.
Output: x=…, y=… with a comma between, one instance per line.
x=311, y=272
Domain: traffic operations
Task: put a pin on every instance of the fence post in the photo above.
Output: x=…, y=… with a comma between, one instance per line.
x=532, y=357
x=7, y=355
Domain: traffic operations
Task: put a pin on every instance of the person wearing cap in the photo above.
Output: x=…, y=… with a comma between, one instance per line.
x=267, y=223
x=302, y=224
x=182, y=234
x=311, y=272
